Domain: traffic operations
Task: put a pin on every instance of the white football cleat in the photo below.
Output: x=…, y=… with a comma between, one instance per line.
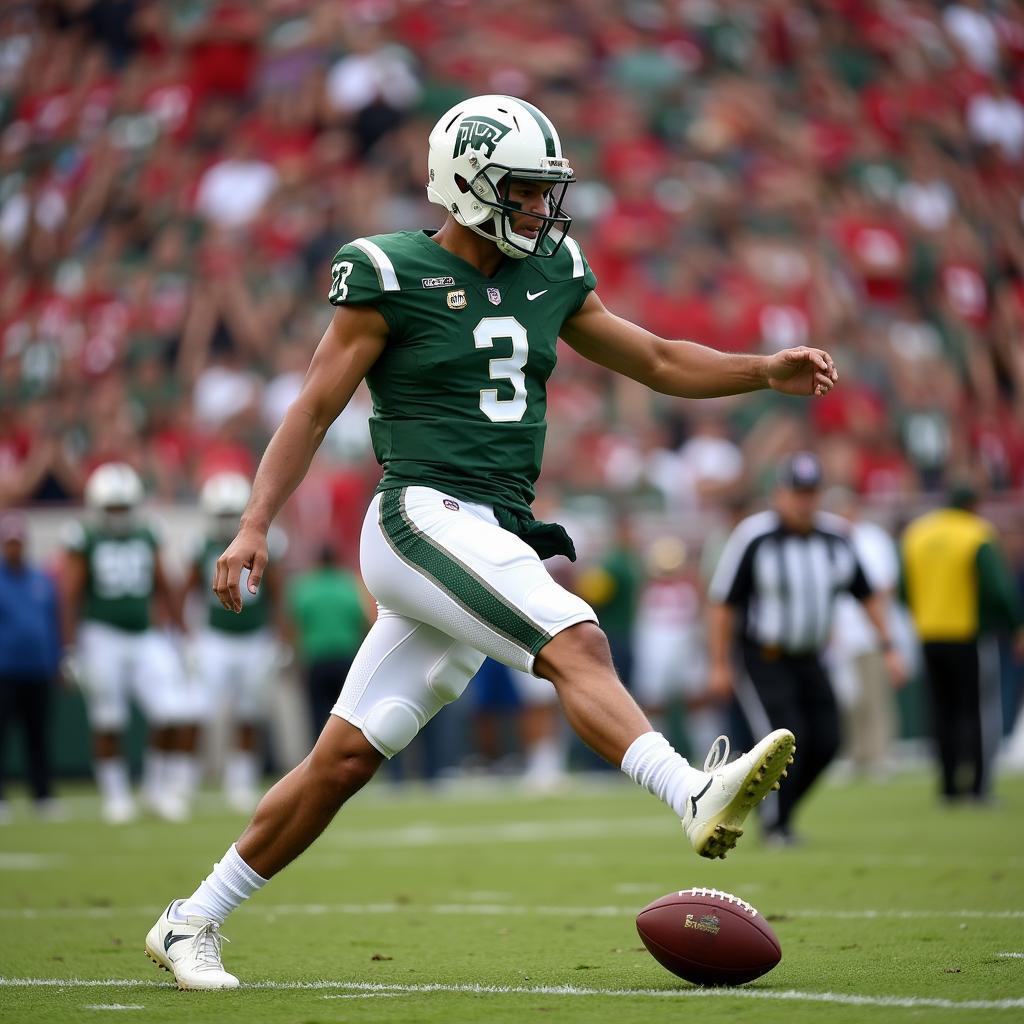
x=241, y=801
x=168, y=806
x=715, y=814
x=190, y=949
x=119, y=810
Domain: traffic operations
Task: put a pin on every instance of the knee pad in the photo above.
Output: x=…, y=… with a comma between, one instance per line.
x=391, y=726
x=451, y=674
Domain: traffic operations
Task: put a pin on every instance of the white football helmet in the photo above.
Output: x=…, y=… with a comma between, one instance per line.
x=114, y=490
x=477, y=148
x=223, y=498
x=113, y=485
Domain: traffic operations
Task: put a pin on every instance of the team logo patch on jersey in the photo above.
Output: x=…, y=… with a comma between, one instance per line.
x=452, y=506
x=457, y=299
x=494, y=296
x=438, y=282
x=479, y=133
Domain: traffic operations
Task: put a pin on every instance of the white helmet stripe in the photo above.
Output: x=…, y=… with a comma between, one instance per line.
x=384, y=267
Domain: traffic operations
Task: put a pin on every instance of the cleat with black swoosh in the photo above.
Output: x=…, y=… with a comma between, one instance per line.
x=189, y=947
x=715, y=813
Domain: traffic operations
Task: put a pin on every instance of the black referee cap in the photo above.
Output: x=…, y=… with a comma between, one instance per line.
x=800, y=471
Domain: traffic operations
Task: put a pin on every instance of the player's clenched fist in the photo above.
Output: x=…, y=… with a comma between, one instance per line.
x=247, y=551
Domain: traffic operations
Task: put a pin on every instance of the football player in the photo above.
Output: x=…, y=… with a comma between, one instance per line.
x=113, y=580
x=235, y=655
x=455, y=332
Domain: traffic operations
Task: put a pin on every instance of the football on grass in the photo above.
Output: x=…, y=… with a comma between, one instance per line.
x=708, y=937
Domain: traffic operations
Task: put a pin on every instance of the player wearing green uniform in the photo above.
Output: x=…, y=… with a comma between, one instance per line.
x=455, y=333
x=113, y=580
x=235, y=656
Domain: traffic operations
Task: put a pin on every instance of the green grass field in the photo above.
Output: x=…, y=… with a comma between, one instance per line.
x=487, y=904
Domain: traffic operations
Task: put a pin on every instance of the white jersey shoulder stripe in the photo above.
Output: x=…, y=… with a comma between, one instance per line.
x=379, y=258
x=573, y=246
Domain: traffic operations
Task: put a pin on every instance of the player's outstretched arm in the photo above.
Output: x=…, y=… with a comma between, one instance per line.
x=350, y=346
x=689, y=370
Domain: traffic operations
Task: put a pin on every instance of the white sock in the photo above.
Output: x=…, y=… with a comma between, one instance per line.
x=182, y=773
x=652, y=762
x=545, y=759
x=241, y=771
x=226, y=887
x=112, y=779
x=154, y=772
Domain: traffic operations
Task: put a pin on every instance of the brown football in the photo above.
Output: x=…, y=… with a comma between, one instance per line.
x=709, y=937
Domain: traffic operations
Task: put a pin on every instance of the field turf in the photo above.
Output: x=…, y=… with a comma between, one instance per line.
x=486, y=904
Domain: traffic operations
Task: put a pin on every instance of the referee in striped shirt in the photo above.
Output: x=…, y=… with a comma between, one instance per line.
x=774, y=590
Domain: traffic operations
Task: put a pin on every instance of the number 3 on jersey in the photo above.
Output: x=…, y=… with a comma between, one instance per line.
x=510, y=368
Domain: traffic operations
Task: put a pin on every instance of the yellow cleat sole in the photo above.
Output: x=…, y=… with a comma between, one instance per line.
x=721, y=833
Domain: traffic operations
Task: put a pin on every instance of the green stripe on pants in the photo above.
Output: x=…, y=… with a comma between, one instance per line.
x=455, y=578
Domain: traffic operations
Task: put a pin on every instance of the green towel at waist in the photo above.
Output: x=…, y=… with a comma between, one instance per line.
x=547, y=539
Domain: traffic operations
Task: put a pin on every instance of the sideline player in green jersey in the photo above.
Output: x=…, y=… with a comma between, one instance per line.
x=235, y=656
x=113, y=578
x=455, y=333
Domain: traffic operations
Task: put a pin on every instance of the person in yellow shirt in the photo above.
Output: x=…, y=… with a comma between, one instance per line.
x=960, y=592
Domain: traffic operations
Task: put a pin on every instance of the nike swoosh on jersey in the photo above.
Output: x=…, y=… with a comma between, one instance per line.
x=530, y=296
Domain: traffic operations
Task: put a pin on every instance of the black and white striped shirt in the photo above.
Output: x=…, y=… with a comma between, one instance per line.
x=785, y=582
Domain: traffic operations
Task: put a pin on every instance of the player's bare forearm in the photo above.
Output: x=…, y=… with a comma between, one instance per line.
x=285, y=462
x=350, y=346
x=686, y=369
x=721, y=628
x=877, y=606
x=72, y=586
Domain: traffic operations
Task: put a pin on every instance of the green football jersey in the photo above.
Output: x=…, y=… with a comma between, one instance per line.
x=120, y=574
x=460, y=391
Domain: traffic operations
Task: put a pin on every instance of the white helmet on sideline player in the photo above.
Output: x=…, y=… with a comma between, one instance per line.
x=114, y=490
x=477, y=148
x=223, y=498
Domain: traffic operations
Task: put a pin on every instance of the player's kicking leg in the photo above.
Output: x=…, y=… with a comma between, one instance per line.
x=713, y=803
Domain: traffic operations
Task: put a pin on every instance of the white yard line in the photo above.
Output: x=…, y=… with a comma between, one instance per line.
x=788, y=995
x=30, y=861
x=506, y=910
x=1011, y=956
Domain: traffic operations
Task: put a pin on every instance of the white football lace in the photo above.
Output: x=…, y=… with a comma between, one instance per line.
x=718, y=754
x=206, y=947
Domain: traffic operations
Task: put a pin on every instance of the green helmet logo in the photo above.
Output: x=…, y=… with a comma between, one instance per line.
x=479, y=133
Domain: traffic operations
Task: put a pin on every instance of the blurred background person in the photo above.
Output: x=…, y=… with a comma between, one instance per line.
x=960, y=593
x=116, y=593
x=517, y=725
x=611, y=586
x=671, y=652
x=326, y=608
x=864, y=687
x=235, y=657
x=774, y=591
x=30, y=651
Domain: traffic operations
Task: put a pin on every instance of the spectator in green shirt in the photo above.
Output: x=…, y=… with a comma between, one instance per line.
x=327, y=609
x=612, y=588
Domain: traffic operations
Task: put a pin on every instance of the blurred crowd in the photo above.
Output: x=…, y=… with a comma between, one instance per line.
x=175, y=178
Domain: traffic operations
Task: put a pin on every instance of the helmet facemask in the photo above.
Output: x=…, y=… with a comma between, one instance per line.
x=491, y=186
